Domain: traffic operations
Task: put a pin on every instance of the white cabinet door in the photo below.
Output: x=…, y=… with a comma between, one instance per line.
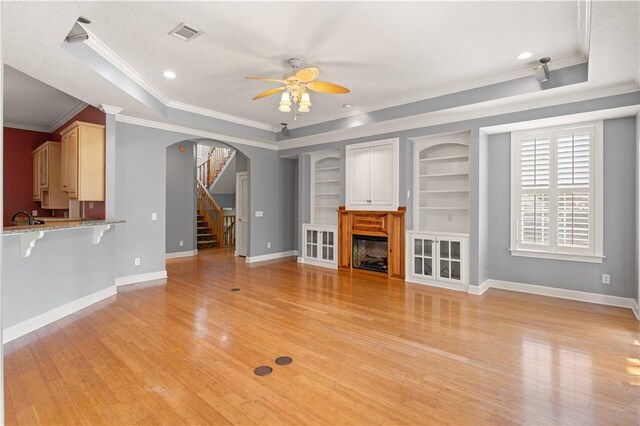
x=360, y=177
x=450, y=259
x=372, y=175
x=424, y=257
x=381, y=178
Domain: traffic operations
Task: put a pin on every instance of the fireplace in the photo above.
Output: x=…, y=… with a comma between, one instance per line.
x=372, y=240
x=370, y=253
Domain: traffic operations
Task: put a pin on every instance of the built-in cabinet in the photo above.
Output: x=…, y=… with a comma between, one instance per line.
x=320, y=245
x=438, y=259
x=47, y=186
x=83, y=161
x=372, y=175
x=325, y=187
x=437, y=248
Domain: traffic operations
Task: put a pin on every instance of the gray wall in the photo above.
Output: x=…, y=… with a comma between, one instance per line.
x=638, y=207
x=141, y=190
x=225, y=200
x=64, y=266
x=619, y=222
x=180, y=224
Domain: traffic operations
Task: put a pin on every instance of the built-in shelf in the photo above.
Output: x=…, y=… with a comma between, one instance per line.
x=327, y=207
x=321, y=169
x=327, y=181
x=445, y=191
x=325, y=170
x=448, y=158
x=327, y=193
x=443, y=175
x=443, y=208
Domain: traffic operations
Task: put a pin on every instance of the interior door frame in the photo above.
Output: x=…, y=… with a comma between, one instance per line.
x=239, y=235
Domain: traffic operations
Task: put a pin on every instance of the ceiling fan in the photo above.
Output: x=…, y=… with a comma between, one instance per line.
x=296, y=86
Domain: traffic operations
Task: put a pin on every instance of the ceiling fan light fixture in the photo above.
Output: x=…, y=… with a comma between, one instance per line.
x=305, y=100
x=303, y=108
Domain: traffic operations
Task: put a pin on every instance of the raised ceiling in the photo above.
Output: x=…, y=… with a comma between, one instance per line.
x=385, y=52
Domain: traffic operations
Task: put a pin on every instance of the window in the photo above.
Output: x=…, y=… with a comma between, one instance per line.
x=556, y=193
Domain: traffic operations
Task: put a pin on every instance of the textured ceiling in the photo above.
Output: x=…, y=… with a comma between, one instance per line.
x=385, y=52
x=30, y=102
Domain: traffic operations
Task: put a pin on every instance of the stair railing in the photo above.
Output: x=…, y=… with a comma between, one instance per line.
x=212, y=212
x=229, y=238
x=217, y=159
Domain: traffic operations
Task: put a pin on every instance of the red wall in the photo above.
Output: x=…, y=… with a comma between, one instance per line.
x=18, y=167
x=18, y=172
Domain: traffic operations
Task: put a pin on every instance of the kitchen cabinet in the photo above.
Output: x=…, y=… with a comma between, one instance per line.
x=47, y=170
x=83, y=161
x=440, y=260
x=372, y=175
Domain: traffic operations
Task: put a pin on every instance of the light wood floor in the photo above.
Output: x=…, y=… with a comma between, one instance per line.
x=365, y=351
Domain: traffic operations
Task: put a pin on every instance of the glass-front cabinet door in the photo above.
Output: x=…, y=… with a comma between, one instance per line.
x=449, y=260
x=423, y=257
x=320, y=245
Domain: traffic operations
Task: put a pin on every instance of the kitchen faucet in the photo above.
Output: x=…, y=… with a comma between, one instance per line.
x=32, y=221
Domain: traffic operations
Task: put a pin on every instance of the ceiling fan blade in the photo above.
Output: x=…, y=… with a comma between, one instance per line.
x=308, y=74
x=324, y=87
x=275, y=80
x=268, y=93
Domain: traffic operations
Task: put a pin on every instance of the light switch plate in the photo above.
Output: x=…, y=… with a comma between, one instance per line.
x=606, y=279
x=259, y=213
x=154, y=216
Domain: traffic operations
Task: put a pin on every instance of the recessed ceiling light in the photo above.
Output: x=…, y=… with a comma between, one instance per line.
x=347, y=106
x=525, y=55
x=170, y=74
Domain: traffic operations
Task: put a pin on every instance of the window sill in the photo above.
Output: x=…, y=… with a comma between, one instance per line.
x=557, y=256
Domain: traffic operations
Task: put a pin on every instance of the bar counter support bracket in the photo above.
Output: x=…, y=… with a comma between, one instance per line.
x=28, y=241
x=98, y=232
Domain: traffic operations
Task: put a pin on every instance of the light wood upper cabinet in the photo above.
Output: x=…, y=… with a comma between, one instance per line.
x=83, y=145
x=47, y=185
x=372, y=175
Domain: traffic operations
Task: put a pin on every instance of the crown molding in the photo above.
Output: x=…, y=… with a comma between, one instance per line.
x=523, y=71
x=193, y=132
x=467, y=112
x=221, y=116
x=67, y=116
x=108, y=109
x=30, y=127
x=112, y=57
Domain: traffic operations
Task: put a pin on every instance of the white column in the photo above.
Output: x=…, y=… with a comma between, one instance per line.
x=110, y=159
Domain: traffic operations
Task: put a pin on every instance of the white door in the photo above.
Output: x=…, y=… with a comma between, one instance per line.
x=381, y=175
x=242, y=212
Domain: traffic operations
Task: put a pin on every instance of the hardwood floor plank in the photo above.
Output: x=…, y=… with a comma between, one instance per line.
x=365, y=351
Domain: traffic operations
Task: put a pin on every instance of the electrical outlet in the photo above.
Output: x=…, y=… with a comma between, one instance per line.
x=136, y=261
x=606, y=279
x=34, y=212
x=154, y=216
x=408, y=194
x=268, y=244
x=181, y=243
x=259, y=213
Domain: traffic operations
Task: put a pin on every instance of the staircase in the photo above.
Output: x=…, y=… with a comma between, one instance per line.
x=214, y=228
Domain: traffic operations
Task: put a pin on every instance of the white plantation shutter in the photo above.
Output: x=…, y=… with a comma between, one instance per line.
x=555, y=204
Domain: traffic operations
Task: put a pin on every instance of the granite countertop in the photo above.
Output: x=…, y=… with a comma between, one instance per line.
x=56, y=225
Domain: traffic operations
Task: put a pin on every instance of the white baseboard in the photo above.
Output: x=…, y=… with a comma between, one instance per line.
x=175, y=255
x=581, y=296
x=479, y=289
x=312, y=262
x=55, y=314
x=439, y=284
x=139, y=278
x=271, y=256
x=636, y=310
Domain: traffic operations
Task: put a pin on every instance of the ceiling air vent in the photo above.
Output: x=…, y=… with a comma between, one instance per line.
x=185, y=32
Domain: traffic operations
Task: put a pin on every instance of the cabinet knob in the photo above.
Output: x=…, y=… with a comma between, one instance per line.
x=368, y=201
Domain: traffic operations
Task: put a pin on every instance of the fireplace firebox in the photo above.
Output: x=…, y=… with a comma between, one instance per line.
x=370, y=253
